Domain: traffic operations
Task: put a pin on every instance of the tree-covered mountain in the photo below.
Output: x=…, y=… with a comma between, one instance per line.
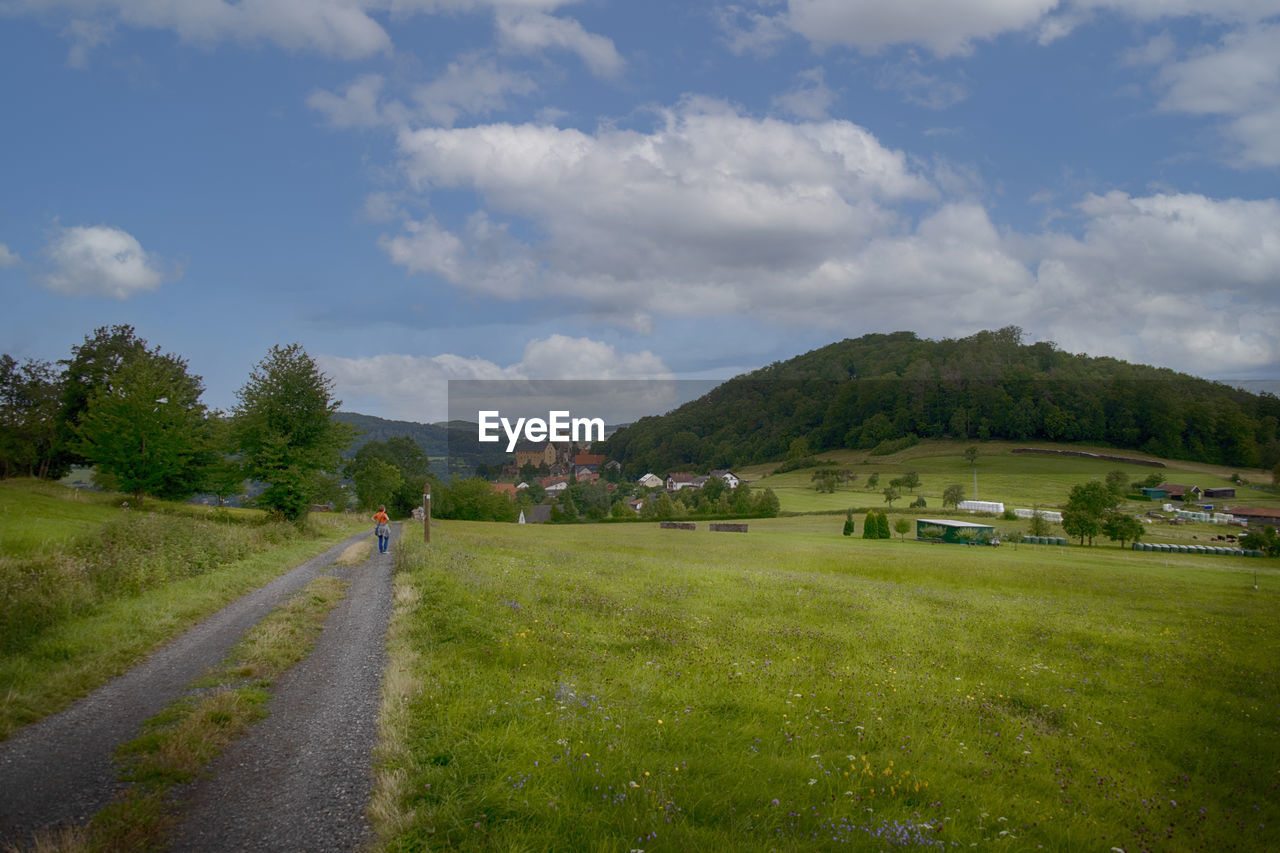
x=454, y=441
x=882, y=388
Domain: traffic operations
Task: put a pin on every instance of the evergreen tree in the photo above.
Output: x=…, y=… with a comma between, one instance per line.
x=870, y=527
x=848, y=523
x=882, y=525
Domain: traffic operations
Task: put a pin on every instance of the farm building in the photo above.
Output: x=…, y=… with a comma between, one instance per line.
x=1178, y=492
x=949, y=530
x=539, y=514
x=1220, y=492
x=1258, y=516
x=1153, y=494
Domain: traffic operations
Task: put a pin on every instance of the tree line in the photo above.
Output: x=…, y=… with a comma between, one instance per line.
x=134, y=413
x=885, y=391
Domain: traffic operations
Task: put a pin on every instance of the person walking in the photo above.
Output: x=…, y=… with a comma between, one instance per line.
x=382, y=528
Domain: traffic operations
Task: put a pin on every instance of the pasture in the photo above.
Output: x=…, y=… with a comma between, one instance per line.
x=618, y=687
x=1017, y=480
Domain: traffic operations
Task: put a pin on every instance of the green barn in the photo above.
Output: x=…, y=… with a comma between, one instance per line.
x=950, y=530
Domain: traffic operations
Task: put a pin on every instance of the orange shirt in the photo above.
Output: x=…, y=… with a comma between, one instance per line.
x=381, y=517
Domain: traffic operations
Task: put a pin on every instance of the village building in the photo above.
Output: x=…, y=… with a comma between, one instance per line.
x=593, y=461
x=680, y=480
x=554, y=485
x=528, y=453
x=650, y=481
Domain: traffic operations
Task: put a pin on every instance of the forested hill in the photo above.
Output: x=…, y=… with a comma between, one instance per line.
x=876, y=390
x=454, y=441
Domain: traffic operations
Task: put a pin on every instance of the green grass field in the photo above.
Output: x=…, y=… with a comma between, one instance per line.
x=1016, y=480
x=87, y=590
x=623, y=688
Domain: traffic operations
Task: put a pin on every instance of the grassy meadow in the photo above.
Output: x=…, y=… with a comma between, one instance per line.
x=1017, y=480
x=621, y=687
x=87, y=589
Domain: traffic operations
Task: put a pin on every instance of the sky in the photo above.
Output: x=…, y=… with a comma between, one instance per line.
x=425, y=190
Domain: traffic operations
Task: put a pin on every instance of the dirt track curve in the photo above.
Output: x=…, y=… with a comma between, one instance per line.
x=300, y=780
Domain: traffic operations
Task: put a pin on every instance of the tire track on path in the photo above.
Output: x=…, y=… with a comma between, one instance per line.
x=60, y=771
x=302, y=778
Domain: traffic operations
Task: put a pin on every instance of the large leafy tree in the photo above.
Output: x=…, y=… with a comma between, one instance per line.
x=404, y=456
x=29, y=404
x=89, y=368
x=145, y=429
x=1122, y=527
x=285, y=430
x=1086, y=509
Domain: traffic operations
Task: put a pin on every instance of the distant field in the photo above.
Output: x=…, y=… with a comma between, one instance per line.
x=1017, y=480
x=622, y=687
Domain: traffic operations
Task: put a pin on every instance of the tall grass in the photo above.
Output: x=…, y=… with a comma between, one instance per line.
x=123, y=557
x=560, y=689
x=90, y=601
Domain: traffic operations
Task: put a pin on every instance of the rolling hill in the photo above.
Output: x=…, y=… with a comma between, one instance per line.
x=884, y=392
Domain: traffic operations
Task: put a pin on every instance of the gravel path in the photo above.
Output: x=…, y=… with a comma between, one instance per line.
x=60, y=771
x=301, y=779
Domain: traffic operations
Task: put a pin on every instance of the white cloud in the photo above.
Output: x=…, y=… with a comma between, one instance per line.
x=751, y=32
x=100, y=260
x=85, y=36
x=533, y=32
x=358, y=105
x=412, y=387
x=715, y=214
x=1238, y=79
x=952, y=27
x=918, y=87
x=484, y=258
x=706, y=212
x=8, y=258
x=1176, y=279
x=342, y=28
x=946, y=27
x=811, y=98
x=471, y=85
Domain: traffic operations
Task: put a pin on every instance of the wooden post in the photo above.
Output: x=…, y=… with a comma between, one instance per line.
x=426, y=517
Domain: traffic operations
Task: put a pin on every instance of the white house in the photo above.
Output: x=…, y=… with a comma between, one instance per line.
x=678, y=480
x=651, y=481
x=729, y=478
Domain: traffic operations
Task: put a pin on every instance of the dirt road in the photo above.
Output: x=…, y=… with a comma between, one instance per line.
x=299, y=781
